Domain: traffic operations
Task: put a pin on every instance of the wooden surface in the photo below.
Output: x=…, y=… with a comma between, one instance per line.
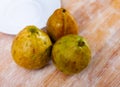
x=99, y=23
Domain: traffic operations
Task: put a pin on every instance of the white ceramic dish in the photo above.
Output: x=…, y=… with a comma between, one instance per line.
x=16, y=14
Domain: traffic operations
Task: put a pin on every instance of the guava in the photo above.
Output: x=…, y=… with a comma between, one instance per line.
x=31, y=48
x=61, y=23
x=71, y=54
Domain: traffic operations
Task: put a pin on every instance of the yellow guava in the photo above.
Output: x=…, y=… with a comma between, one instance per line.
x=61, y=23
x=31, y=48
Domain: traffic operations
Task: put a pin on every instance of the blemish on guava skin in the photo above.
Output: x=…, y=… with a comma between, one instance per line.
x=45, y=42
x=66, y=64
x=74, y=63
x=14, y=52
x=61, y=70
x=19, y=59
x=37, y=32
x=28, y=36
x=26, y=44
x=17, y=38
x=33, y=50
x=59, y=42
x=76, y=69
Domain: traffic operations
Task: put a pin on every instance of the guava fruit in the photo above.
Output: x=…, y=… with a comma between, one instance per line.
x=31, y=48
x=61, y=23
x=71, y=54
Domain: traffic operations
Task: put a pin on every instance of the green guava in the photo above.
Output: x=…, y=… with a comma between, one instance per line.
x=71, y=54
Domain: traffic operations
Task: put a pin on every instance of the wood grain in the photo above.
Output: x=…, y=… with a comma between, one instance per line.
x=99, y=23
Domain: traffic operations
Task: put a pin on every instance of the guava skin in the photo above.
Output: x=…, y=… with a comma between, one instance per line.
x=71, y=54
x=31, y=48
x=61, y=23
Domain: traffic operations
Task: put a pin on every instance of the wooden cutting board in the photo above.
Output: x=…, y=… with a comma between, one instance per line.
x=99, y=23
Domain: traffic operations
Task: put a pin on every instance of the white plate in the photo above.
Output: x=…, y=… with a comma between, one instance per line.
x=16, y=14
